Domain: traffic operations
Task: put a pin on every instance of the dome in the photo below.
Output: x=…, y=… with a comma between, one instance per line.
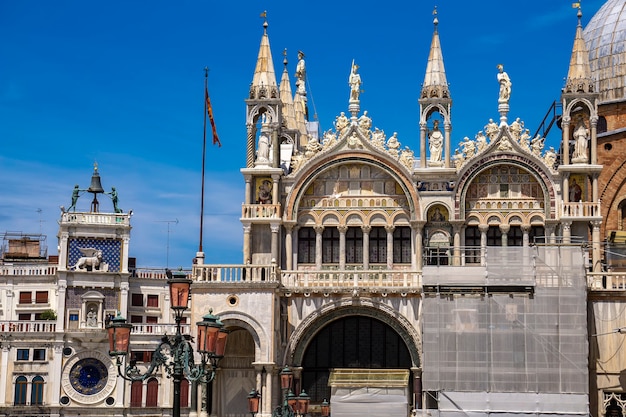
x=605, y=36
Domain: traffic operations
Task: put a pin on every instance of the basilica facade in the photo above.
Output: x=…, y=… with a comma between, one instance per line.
x=485, y=279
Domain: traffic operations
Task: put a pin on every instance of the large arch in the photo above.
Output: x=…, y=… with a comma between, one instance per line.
x=305, y=178
x=311, y=325
x=500, y=159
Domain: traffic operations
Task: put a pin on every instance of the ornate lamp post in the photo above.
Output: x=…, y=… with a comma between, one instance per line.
x=325, y=408
x=253, y=402
x=174, y=353
x=292, y=405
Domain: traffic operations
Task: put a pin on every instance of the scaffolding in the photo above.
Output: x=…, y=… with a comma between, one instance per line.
x=511, y=339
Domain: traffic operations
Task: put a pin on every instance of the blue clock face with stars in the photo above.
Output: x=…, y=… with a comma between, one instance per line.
x=88, y=376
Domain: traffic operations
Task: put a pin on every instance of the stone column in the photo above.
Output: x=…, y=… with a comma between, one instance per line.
x=366, y=246
x=319, y=230
x=447, y=129
x=565, y=121
x=251, y=145
x=550, y=231
x=596, y=254
x=483, y=228
x=417, y=231
x=63, y=251
x=342, y=246
x=275, y=154
x=61, y=290
x=457, y=227
x=248, y=190
x=390, y=230
x=594, y=141
x=565, y=193
x=423, y=130
x=193, y=404
x=268, y=393
x=124, y=299
x=247, y=256
x=4, y=364
x=567, y=232
x=275, y=228
x=289, y=229
x=525, y=237
x=275, y=187
x=504, y=228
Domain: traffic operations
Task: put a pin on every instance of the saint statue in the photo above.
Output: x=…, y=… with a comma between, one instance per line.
x=435, y=143
x=355, y=83
x=581, y=137
x=300, y=74
x=505, y=85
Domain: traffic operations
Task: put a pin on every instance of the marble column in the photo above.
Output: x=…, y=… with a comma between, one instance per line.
x=483, y=228
x=596, y=253
x=366, y=246
x=342, y=246
x=390, y=230
x=247, y=256
x=319, y=230
x=504, y=229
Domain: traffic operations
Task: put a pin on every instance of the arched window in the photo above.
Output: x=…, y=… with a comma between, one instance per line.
x=136, y=392
x=330, y=246
x=184, y=393
x=306, y=245
x=36, y=394
x=378, y=245
x=402, y=245
x=354, y=245
x=602, y=126
x=152, y=393
x=21, y=385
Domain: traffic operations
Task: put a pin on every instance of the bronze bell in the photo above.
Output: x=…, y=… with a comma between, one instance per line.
x=96, y=186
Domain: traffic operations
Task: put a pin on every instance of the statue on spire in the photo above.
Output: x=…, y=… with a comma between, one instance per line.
x=505, y=85
x=301, y=74
x=355, y=83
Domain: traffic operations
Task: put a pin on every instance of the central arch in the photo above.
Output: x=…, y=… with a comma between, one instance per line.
x=353, y=337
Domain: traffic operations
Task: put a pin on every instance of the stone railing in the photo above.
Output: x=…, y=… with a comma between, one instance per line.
x=260, y=211
x=606, y=281
x=153, y=273
x=29, y=270
x=113, y=219
x=40, y=326
x=347, y=279
x=159, y=329
x=235, y=273
x=581, y=209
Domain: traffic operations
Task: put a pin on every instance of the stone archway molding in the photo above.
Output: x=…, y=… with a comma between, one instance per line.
x=311, y=325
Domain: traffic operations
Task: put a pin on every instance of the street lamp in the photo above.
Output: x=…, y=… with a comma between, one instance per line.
x=174, y=353
x=325, y=408
x=292, y=405
x=253, y=402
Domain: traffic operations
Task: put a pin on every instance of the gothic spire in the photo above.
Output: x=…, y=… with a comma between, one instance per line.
x=579, y=74
x=286, y=98
x=264, y=80
x=435, y=82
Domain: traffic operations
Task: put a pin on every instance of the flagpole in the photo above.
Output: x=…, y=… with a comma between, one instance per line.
x=206, y=89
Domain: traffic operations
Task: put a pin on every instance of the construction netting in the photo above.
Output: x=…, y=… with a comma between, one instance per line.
x=517, y=324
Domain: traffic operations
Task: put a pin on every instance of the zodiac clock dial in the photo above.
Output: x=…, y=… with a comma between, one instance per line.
x=88, y=376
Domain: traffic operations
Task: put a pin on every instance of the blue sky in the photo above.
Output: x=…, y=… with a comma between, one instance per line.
x=121, y=83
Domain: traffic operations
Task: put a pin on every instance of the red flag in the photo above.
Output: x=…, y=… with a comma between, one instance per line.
x=209, y=110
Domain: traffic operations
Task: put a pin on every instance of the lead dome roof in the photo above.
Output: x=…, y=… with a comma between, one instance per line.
x=605, y=36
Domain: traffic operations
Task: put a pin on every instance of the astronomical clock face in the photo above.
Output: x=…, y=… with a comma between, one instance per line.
x=89, y=377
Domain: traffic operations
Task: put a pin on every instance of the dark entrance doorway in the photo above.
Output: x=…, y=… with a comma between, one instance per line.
x=351, y=342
